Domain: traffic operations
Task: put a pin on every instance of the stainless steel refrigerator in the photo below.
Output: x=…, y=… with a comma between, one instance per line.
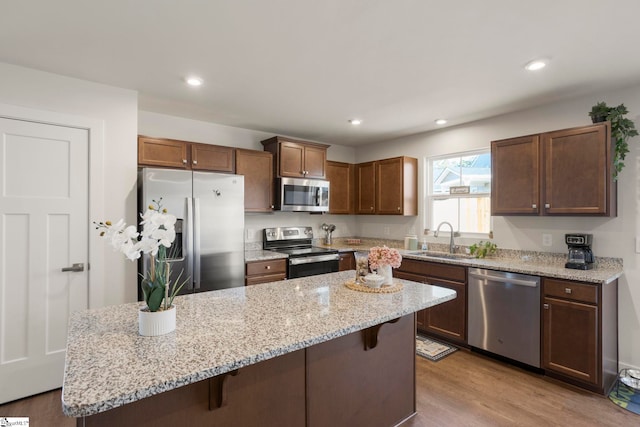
x=209, y=244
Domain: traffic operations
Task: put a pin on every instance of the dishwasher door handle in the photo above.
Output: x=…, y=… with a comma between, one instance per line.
x=502, y=279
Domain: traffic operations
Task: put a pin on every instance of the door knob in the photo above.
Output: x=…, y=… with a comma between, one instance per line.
x=75, y=267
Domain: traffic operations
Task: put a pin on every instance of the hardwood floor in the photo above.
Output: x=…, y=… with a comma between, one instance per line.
x=463, y=389
x=467, y=389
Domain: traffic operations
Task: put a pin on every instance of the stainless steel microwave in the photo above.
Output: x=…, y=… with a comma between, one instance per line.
x=302, y=195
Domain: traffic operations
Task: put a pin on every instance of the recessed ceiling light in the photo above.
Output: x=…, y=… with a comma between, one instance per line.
x=193, y=81
x=536, y=65
x=441, y=121
x=355, y=121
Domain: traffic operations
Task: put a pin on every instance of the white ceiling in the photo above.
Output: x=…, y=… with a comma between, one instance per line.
x=303, y=68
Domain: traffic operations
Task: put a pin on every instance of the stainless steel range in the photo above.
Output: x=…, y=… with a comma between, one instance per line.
x=304, y=258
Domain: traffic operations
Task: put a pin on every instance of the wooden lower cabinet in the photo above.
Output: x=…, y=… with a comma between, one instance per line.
x=448, y=320
x=265, y=271
x=579, y=333
x=347, y=261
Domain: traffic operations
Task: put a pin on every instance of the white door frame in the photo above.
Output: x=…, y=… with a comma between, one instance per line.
x=95, y=129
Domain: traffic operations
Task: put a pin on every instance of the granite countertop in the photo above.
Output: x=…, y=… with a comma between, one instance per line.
x=262, y=255
x=525, y=262
x=108, y=364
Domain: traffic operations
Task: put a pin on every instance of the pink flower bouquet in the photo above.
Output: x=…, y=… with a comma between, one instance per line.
x=379, y=256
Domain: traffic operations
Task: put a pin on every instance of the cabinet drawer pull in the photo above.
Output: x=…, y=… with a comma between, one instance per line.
x=268, y=267
x=546, y=306
x=567, y=291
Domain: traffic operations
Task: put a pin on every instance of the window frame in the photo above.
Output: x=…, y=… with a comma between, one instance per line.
x=429, y=197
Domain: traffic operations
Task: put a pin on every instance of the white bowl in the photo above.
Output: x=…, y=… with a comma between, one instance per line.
x=373, y=280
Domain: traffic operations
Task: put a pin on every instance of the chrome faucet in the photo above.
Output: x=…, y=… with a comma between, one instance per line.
x=452, y=245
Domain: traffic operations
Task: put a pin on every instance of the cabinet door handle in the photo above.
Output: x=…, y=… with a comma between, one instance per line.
x=533, y=206
x=547, y=205
x=184, y=161
x=567, y=291
x=546, y=306
x=195, y=162
x=371, y=208
x=398, y=208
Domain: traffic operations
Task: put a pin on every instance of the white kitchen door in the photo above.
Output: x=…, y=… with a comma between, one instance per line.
x=44, y=228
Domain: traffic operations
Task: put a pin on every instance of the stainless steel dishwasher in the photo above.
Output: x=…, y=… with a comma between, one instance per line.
x=504, y=314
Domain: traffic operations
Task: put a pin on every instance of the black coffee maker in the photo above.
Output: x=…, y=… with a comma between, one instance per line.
x=580, y=255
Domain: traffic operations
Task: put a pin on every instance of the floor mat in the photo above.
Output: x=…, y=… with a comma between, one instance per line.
x=625, y=397
x=432, y=350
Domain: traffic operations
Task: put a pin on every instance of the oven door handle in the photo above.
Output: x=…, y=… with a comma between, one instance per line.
x=312, y=259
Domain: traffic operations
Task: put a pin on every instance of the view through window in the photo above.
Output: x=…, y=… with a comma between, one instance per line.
x=459, y=192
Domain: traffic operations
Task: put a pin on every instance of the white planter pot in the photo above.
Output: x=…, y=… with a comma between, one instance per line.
x=386, y=272
x=151, y=324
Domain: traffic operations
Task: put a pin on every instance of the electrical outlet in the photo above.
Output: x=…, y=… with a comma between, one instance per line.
x=638, y=245
x=386, y=231
x=546, y=239
x=251, y=234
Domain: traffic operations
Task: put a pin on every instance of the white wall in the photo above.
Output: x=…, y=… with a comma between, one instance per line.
x=613, y=237
x=116, y=109
x=164, y=126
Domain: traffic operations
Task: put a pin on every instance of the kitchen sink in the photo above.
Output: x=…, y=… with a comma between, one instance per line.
x=445, y=255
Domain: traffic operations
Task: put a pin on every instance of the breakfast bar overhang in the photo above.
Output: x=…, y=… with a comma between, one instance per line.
x=307, y=351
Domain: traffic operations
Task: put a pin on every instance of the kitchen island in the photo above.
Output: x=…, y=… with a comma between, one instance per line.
x=306, y=351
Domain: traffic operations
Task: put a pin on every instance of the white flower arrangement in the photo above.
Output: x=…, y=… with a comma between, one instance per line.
x=158, y=234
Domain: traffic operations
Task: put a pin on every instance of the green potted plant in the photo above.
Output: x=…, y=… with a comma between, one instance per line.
x=155, y=239
x=622, y=129
x=483, y=249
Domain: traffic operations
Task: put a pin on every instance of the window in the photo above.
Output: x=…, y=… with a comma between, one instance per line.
x=459, y=192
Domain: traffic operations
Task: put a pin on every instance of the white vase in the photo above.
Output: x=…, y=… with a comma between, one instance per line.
x=154, y=323
x=386, y=272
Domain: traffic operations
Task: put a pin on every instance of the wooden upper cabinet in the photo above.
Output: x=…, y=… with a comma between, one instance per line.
x=578, y=177
x=257, y=168
x=365, y=180
x=397, y=186
x=565, y=172
x=171, y=153
x=208, y=157
x=515, y=184
x=341, y=187
x=387, y=187
x=161, y=152
x=297, y=159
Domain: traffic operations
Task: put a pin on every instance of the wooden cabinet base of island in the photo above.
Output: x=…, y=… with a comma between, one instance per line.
x=580, y=333
x=340, y=382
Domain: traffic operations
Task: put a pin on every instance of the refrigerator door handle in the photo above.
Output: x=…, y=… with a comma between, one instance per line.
x=196, y=242
x=189, y=243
